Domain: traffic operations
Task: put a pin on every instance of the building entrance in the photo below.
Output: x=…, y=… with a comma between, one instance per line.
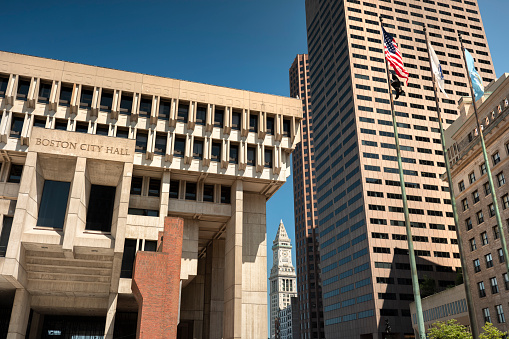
x=73, y=327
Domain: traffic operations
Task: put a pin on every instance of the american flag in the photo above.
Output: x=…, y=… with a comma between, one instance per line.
x=393, y=55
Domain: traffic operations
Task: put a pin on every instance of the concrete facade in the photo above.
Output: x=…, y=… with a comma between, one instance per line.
x=363, y=249
x=136, y=148
x=489, y=283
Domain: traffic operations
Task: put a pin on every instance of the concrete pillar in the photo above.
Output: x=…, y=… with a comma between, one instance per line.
x=19, y=315
x=232, y=316
x=110, y=316
x=36, y=326
x=214, y=291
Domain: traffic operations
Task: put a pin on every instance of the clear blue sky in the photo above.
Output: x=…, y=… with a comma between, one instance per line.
x=246, y=44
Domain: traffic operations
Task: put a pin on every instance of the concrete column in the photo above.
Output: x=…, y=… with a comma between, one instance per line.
x=214, y=291
x=165, y=197
x=110, y=316
x=232, y=316
x=19, y=315
x=36, y=326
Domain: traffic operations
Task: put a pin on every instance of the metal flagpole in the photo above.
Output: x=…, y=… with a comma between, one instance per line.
x=411, y=253
x=466, y=279
x=488, y=168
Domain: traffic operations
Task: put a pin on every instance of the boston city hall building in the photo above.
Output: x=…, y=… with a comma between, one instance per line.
x=133, y=206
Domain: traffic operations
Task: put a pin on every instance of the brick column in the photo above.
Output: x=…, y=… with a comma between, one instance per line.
x=156, y=284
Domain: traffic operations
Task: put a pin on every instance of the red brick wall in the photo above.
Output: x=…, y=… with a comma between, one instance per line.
x=156, y=284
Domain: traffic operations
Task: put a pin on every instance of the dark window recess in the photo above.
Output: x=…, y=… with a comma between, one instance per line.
x=100, y=208
x=141, y=142
x=268, y=158
x=44, y=92
x=226, y=194
x=180, y=147
x=122, y=133
x=23, y=87
x=16, y=126
x=253, y=123
x=208, y=193
x=61, y=124
x=183, y=112
x=65, y=95
x=136, y=185
x=40, y=122
x=236, y=120
x=270, y=125
x=251, y=156
x=86, y=97
x=219, y=117
x=145, y=106
x=201, y=115
x=4, y=236
x=82, y=127
x=164, y=109
x=126, y=103
x=102, y=130
x=234, y=154
x=53, y=204
x=190, y=191
x=160, y=146
x=154, y=187
x=106, y=101
x=286, y=127
x=198, y=149
x=15, y=173
x=143, y=212
x=174, y=189
x=126, y=270
x=216, y=151
x=150, y=246
x=4, y=81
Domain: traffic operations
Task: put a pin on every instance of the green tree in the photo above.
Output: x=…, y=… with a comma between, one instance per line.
x=449, y=330
x=491, y=332
x=427, y=287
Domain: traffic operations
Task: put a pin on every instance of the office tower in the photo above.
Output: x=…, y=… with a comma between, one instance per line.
x=304, y=192
x=93, y=162
x=363, y=248
x=480, y=236
x=283, y=284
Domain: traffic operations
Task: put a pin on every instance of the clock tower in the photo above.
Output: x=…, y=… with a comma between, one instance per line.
x=283, y=280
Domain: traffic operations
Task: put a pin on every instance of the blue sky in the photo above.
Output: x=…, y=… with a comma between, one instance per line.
x=246, y=44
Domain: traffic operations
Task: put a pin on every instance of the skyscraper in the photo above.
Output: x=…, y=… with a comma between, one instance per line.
x=304, y=190
x=363, y=248
x=283, y=284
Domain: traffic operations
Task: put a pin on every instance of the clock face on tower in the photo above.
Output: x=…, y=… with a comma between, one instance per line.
x=285, y=254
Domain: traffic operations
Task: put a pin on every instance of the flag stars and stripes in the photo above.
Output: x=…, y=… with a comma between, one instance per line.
x=393, y=55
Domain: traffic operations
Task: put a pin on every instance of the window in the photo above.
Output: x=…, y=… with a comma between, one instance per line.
x=270, y=125
x=496, y=158
x=487, y=188
x=154, y=187
x=23, y=87
x=251, y=156
x=482, y=290
x=145, y=106
x=45, y=91
x=475, y=196
x=216, y=151
x=501, y=258
x=183, y=112
x=484, y=237
x=234, y=154
x=464, y=203
x=136, y=185
x=286, y=127
x=473, y=245
x=53, y=204
x=501, y=179
x=489, y=260
x=253, y=122
x=179, y=147
x=122, y=133
x=201, y=115
x=82, y=127
x=236, y=120
x=160, y=144
x=268, y=157
x=506, y=281
x=471, y=177
x=4, y=81
x=219, y=117
x=468, y=223
x=141, y=141
x=486, y=314
x=126, y=270
x=198, y=149
x=461, y=186
x=505, y=201
x=491, y=208
x=16, y=126
x=102, y=129
x=100, y=208
x=483, y=168
x=15, y=173
x=190, y=191
x=61, y=124
x=106, y=100
x=480, y=217
x=500, y=314
x=225, y=194
x=174, y=189
x=143, y=212
x=495, y=232
x=40, y=122
x=477, y=266
x=5, y=234
x=208, y=193
x=494, y=285
x=65, y=95
x=126, y=103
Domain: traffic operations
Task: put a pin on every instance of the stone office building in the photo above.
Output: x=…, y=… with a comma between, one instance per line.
x=94, y=159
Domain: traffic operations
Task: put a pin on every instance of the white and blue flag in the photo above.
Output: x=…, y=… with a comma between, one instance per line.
x=476, y=78
x=437, y=69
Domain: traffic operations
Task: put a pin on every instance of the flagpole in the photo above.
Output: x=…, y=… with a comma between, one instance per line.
x=411, y=253
x=488, y=167
x=466, y=279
